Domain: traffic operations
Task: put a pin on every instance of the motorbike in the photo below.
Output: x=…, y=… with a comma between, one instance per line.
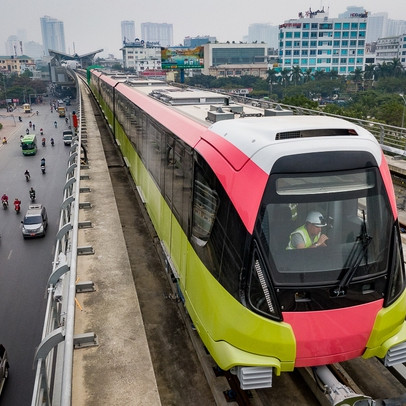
x=32, y=196
x=20, y=119
x=55, y=124
x=17, y=206
x=52, y=142
x=43, y=168
x=43, y=142
x=5, y=204
x=4, y=140
x=27, y=176
x=41, y=131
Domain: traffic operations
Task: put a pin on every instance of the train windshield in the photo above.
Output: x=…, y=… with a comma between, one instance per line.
x=323, y=228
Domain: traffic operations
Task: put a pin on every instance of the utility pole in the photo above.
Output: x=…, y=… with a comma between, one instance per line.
x=404, y=108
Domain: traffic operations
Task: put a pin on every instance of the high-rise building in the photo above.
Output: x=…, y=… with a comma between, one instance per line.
x=314, y=41
x=265, y=33
x=154, y=32
x=33, y=49
x=395, y=27
x=53, y=35
x=193, y=42
x=14, y=46
x=376, y=26
x=127, y=31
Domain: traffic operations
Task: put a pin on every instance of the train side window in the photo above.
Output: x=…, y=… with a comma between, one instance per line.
x=205, y=205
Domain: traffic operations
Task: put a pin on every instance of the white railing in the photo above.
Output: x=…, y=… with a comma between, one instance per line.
x=54, y=356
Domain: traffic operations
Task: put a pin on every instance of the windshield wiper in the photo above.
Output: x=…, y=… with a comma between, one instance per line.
x=358, y=252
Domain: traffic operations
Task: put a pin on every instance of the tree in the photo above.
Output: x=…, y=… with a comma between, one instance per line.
x=397, y=67
x=319, y=74
x=285, y=73
x=369, y=73
x=357, y=77
x=272, y=78
x=308, y=75
x=296, y=75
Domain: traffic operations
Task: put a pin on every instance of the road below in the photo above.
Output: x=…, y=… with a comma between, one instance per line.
x=25, y=265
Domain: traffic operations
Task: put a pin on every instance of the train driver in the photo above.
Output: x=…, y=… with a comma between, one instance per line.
x=309, y=234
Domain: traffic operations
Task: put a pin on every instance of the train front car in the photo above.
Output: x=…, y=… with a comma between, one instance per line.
x=320, y=302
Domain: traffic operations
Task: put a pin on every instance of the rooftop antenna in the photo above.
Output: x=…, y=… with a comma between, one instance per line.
x=74, y=50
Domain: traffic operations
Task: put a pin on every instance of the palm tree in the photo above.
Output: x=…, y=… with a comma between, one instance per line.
x=284, y=76
x=383, y=70
x=396, y=67
x=319, y=74
x=307, y=75
x=333, y=75
x=356, y=77
x=296, y=74
x=369, y=72
x=271, y=79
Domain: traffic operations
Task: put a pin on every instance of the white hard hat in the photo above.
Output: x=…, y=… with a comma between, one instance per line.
x=316, y=218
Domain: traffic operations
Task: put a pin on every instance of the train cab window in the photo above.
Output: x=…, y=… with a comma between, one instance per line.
x=357, y=220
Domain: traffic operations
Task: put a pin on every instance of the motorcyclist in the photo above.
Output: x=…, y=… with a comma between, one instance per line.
x=43, y=165
x=27, y=174
x=55, y=124
x=32, y=193
x=17, y=204
x=4, y=140
x=4, y=198
x=43, y=141
x=52, y=142
x=41, y=131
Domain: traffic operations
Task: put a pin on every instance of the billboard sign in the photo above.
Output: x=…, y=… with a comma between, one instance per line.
x=182, y=58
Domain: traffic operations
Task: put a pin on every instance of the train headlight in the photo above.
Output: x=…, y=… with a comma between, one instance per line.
x=260, y=291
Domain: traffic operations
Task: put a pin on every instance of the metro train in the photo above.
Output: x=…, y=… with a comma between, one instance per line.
x=227, y=186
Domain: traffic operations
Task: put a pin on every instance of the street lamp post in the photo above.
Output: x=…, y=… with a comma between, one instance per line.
x=404, y=108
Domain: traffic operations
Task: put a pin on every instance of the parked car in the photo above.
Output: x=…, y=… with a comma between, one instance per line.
x=35, y=222
x=4, y=366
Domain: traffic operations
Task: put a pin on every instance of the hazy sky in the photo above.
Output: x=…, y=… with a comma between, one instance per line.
x=90, y=25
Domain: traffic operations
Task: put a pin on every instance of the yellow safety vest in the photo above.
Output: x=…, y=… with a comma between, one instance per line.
x=306, y=237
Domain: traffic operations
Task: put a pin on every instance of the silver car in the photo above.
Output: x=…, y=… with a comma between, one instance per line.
x=35, y=221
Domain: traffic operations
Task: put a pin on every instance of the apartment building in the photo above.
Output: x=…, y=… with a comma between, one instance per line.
x=319, y=43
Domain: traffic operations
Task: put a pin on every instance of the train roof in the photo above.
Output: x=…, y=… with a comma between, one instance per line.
x=263, y=139
x=266, y=139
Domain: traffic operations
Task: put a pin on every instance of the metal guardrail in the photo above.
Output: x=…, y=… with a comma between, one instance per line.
x=54, y=356
x=391, y=138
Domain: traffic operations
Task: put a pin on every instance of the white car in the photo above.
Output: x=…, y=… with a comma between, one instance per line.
x=35, y=222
